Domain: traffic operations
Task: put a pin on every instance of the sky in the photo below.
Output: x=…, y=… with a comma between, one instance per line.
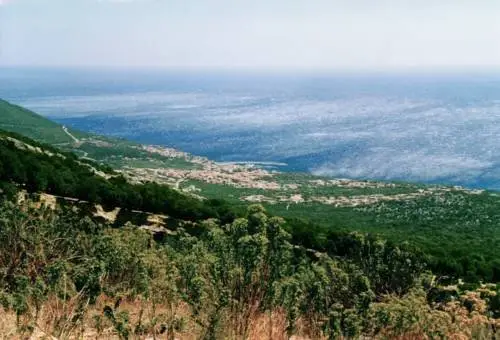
x=252, y=34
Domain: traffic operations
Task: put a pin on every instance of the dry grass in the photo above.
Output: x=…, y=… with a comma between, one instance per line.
x=270, y=326
x=59, y=320
x=55, y=322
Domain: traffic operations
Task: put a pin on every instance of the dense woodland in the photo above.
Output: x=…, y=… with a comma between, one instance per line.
x=234, y=273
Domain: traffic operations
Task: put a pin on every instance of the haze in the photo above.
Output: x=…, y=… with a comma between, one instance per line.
x=257, y=34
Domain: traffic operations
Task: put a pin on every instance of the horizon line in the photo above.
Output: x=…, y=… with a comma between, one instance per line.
x=422, y=70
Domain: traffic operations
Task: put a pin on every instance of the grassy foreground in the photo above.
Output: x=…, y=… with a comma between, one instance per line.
x=63, y=276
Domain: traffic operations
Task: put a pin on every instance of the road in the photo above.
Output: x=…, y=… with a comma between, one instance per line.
x=65, y=129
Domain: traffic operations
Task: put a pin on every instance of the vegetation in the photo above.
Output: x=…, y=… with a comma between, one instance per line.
x=63, y=175
x=457, y=232
x=228, y=270
x=64, y=276
x=20, y=120
x=113, y=152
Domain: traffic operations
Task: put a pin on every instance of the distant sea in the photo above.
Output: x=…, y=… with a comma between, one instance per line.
x=427, y=127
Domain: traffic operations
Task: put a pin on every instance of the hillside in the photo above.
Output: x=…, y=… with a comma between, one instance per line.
x=40, y=168
x=182, y=252
x=458, y=229
x=215, y=272
x=18, y=119
x=114, y=152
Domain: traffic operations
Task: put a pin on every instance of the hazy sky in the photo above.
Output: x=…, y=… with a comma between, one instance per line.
x=252, y=34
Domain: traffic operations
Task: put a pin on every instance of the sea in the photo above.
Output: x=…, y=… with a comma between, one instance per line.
x=425, y=127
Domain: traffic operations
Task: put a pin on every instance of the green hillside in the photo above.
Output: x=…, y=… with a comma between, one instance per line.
x=36, y=167
x=113, y=152
x=18, y=119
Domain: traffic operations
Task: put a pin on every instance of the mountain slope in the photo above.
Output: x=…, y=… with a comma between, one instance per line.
x=36, y=167
x=115, y=152
x=18, y=119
